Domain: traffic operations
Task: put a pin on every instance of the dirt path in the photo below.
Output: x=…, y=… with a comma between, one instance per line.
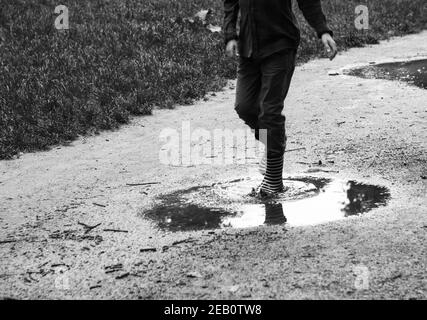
x=375, y=130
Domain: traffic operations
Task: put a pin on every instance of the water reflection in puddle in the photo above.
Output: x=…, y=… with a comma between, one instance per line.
x=309, y=201
x=414, y=72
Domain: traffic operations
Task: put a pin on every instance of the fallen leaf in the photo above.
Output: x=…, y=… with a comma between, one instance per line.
x=233, y=289
x=203, y=15
x=214, y=29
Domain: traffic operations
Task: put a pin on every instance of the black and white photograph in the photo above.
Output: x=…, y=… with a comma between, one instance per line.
x=226, y=152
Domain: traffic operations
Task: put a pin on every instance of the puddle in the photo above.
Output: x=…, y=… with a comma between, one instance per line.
x=309, y=201
x=414, y=72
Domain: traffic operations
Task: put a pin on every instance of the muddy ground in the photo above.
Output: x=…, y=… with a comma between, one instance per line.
x=375, y=131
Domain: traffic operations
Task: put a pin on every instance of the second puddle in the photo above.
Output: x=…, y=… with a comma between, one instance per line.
x=309, y=201
x=413, y=72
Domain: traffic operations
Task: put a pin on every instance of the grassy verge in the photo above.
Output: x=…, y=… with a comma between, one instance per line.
x=124, y=57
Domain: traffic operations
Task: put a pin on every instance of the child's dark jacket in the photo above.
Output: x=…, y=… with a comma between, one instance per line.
x=268, y=26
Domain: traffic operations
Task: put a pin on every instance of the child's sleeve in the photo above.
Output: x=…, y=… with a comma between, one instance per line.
x=312, y=11
x=231, y=12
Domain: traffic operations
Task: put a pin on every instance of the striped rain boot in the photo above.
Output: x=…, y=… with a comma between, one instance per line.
x=272, y=184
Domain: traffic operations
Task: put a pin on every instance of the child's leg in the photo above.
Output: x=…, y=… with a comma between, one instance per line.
x=277, y=71
x=247, y=96
x=247, y=91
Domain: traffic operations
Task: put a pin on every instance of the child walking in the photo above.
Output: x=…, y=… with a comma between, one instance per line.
x=267, y=43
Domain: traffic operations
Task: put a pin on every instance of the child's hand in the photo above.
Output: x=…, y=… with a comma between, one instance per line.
x=330, y=45
x=231, y=48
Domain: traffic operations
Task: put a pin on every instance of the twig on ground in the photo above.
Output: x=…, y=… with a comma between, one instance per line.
x=141, y=184
x=297, y=149
x=8, y=241
x=55, y=265
x=95, y=287
x=122, y=276
x=99, y=204
x=113, y=268
x=31, y=240
x=87, y=227
x=115, y=230
x=183, y=241
x=314, y=170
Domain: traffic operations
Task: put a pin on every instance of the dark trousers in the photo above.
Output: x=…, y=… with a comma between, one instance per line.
x=262, y=86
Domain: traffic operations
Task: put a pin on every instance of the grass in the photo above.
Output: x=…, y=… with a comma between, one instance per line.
x=125, y=57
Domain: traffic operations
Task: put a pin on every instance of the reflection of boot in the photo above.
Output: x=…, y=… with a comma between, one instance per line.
x=274, y=213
